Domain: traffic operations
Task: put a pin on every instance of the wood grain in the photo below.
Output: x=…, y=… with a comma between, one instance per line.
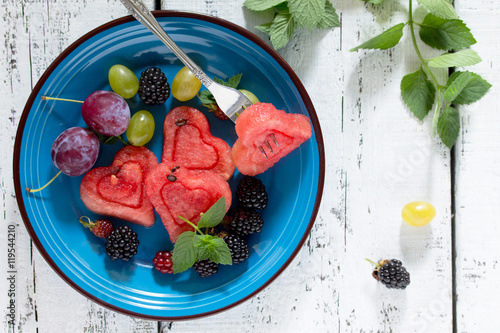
x=477, y=180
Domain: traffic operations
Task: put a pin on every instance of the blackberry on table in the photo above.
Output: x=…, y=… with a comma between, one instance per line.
x=392, y=274
x=205, y=267
x=122, y=244
x=251, y=193
x=153, y=86
x=245, y=221
x=238, y=247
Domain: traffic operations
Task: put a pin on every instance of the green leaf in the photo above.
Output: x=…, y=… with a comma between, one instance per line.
x=234, y=80
x=282, y=29
x=385, y=40
x=445, y=34
x=307, y=13
x=213, y=215
x=455, y=87
x=222, y=254
x=374, y=2
x=448, y=126
x=418, y=93
x=441, y=8
x=206, y=97
x=212, y=248
x=458, y=59
x=330, y=19
x=185, y=253
x=475, y=89
x=266, y=27
x=260, y=5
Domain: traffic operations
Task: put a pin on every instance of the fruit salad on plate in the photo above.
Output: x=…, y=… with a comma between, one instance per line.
x=188, y=185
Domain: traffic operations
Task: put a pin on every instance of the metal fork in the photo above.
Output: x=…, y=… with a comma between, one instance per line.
x=231, y=101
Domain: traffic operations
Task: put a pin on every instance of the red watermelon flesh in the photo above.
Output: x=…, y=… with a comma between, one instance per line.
x=178, y=191
x=118, y=190
x=188, y=142
x=255, y=125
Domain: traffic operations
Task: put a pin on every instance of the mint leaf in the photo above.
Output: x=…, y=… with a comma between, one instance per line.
x=448, y=126
x=455, y=87
x=441, y=8
x=418, y=93
x=458, y=59
x=475, y=89
x=260, y=5
x=444, y=34
x=307, y=13
x=213, y=248
x=221, y=253
x=385, y=40
x=282, y=29
x=330, y=19
x=213, y=215
x=206, y=97
x=234, y=80
x=185, y=253
x=265, y=27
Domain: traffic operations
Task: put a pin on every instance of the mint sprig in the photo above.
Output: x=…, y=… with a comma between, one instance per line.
x=193, y=246
x=290, y=15
x=420, y=90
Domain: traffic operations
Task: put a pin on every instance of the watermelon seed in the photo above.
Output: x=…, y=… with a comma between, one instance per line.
x=171, y=178
x=174, y=169
x=181, y=122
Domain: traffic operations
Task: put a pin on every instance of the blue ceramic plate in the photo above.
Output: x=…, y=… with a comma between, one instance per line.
x=294, y=185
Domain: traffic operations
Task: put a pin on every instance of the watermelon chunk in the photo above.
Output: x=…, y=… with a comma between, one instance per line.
x=178, y=191
x=255, y=125
x=188, y=142
x=118, y=190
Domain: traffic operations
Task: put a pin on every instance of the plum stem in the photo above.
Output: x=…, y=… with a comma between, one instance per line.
x=44, y=186
x=45, y=98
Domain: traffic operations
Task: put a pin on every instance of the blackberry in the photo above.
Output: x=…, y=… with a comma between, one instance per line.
x=392, y=274
x=251, y=193
x=153, y=86
x=206, y=267
x=238, y=247
x=245, y=221
x=122, y=244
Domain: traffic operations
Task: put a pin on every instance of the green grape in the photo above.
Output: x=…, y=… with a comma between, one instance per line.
x=185, y=85
x=123, y=81
x=250, y=95
x=141, y=128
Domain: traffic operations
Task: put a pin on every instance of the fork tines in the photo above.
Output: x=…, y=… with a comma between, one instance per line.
x=268, y=145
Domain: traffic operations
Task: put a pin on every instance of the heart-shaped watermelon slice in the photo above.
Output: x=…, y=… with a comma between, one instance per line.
x=118, y=190
x=189, y=143
x=178, y=191
x=255, y=126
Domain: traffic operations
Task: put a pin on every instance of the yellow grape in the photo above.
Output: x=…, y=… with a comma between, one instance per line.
x=185, y=85
x=418, y=213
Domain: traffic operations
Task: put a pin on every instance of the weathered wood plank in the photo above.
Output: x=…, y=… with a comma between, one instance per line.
x=34, y=33
x=477, y=155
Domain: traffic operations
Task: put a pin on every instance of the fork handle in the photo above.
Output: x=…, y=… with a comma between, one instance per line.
x=142, y=14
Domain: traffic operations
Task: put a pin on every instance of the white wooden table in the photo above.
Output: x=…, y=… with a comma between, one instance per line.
x=378, y=158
